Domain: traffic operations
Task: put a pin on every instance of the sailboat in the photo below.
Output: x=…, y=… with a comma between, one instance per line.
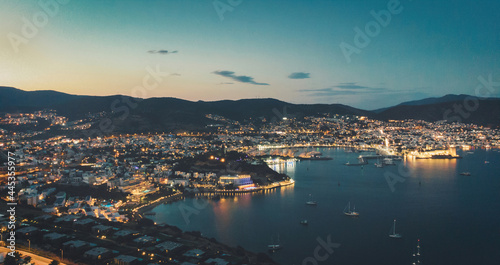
x=388, y=161
x=348, y=212
x=275, y=246
x=311, y=201
x=393, y=234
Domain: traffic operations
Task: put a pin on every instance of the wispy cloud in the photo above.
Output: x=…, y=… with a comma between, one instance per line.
x=162, y=51
x=343, y=89
x=351, y=86
x=326, y=92
x=299, y=75
x=239, y=78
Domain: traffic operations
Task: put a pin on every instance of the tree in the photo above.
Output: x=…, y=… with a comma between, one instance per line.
x=9, y=260
x=63, y=209
x=240, y=251
x=145, y=222
x=27, y=260
x=264, y=258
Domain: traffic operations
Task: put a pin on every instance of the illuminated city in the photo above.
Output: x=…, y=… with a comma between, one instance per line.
x=235, y=132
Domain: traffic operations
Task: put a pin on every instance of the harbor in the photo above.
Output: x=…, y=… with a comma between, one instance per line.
x=421, y=211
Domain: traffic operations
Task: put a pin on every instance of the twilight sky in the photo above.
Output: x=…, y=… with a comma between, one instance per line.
x=293, y=50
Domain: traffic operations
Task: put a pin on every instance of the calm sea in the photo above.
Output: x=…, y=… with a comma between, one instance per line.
x=456, y=218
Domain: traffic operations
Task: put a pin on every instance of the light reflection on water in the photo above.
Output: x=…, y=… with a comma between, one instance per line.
x=285, y=167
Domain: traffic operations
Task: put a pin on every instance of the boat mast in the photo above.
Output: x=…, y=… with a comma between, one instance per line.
x=418, y=247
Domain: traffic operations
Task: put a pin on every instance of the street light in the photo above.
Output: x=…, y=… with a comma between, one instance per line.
x=29, y=245
x=62, y=252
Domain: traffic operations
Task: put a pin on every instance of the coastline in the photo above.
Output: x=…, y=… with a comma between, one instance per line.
x=179, y=195
x=272, y=186
x=147, y=207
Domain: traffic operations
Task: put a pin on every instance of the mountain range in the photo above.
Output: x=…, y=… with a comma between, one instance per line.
x=168, y=114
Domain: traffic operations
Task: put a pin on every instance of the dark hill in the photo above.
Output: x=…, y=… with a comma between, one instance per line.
x=486, y=113
x=168, y=114
x=12, y=98
x=160, y=114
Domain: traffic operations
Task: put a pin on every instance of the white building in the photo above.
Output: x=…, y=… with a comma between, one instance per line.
x=238, y=180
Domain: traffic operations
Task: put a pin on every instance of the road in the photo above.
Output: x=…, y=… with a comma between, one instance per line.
x=35, y=259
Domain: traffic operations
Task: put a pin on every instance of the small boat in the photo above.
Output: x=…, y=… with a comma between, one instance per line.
x=388, y=161
x=304, y=222
x=379, y=163
x=393, y=234
x=361, y=163
x=311, y=201
x=275, y=246
x=317, y=158
x=348, y=212
x=465, y=173
x=486, y=162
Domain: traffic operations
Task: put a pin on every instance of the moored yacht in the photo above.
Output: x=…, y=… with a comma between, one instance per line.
x=348, y=212
x=311, y=201
x=393, y=234
x=275, y=246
